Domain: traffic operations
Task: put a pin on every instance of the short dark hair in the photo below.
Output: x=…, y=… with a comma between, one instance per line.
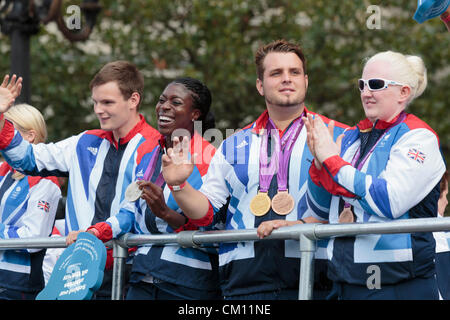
x=276, y=46
x=127, y=76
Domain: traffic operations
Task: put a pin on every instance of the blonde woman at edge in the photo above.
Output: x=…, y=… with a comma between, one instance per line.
x=27, y=209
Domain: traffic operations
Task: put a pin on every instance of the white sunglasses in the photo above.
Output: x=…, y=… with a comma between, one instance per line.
x=377, y=84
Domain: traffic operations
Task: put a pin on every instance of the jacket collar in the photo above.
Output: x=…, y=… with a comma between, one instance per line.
x=367, y=125
x=261, y=122
x=136, y=129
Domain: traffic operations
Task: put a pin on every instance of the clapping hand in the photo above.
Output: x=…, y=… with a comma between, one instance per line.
x=320, y=139
x=9, y=91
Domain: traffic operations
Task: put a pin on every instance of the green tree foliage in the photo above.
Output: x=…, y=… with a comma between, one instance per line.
x=214, y=40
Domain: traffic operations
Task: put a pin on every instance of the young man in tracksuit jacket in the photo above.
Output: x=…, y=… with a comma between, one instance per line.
x=101, y=163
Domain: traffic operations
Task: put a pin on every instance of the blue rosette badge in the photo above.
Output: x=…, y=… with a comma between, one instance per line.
x=429, y=9
x=78, y=273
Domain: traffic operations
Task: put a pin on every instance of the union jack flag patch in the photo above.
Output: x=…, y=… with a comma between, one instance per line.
x=44, y=205
x=416, y=155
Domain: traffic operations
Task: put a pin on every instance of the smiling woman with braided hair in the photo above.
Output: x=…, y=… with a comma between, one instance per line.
x=168, y=272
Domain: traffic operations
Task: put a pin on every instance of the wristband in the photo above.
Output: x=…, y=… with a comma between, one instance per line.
x=445, y=17
x=177, y=188
x=303, y=221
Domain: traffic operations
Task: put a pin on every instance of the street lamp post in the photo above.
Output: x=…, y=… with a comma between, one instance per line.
x=20, y=19
x=20, y=26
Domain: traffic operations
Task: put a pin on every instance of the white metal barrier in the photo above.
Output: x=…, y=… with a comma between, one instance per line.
x=306, y=234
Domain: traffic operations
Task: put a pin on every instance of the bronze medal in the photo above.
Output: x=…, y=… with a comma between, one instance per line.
x=260, y=204
x=283, y=203
x=346, y=216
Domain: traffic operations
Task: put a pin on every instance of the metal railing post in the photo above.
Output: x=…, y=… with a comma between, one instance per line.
x=120, y=255
x=306, y=278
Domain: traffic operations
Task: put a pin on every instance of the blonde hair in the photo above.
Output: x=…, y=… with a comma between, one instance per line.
x=26, y=118
x=406, y=69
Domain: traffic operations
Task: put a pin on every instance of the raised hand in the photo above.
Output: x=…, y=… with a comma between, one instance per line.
x=9, y=91
x=176, y=165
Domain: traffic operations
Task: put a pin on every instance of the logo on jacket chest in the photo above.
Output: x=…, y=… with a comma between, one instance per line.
x=93, y=150
x=382, y=143
x=140, y=174
x=16, y=192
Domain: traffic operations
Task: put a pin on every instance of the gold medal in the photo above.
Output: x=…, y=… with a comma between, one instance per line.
x=283, y=203
x=346, y=216
x=260, y=204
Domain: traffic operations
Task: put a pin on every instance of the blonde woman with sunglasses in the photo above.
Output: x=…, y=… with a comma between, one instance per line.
x=27, y=209
x=387, y=167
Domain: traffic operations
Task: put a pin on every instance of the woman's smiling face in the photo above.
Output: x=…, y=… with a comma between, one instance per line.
x=174, y=109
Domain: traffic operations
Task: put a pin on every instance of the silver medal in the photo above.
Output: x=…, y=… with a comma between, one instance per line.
x=133, y=192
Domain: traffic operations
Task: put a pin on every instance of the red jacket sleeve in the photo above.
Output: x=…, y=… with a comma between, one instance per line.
x=6, y=134
x=193, y=224
x=102, y=231
x=325, y=176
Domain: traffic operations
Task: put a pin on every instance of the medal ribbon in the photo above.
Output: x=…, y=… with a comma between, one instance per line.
x=400, y=119
x=279, y=161
x=152, y=167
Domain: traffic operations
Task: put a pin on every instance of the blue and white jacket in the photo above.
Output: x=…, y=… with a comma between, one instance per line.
x=171, y=266
x=442, y=261
x=99, y=168
x=251, y=267
x=400, y=180
x=27, y=209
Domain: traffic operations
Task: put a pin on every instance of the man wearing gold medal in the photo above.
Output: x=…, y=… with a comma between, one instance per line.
x=262, y=171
